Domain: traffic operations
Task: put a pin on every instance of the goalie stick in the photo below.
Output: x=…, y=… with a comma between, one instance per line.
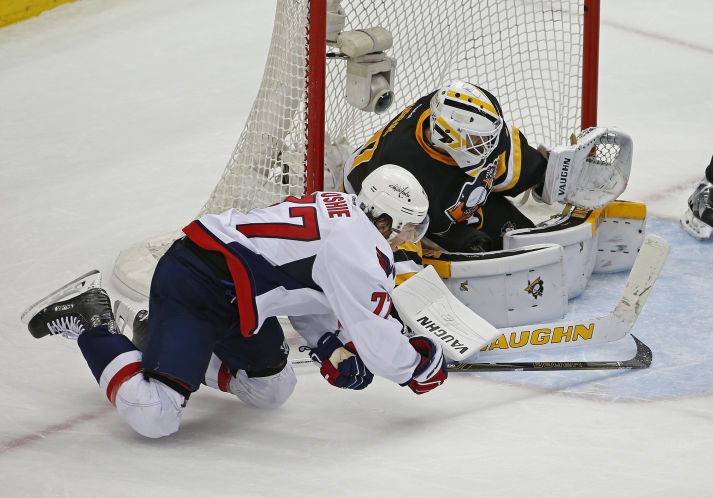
x=463, y=333
x=642, y=359
x=124, y=315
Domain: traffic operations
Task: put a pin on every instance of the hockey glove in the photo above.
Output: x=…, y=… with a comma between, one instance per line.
x=431, y=372
x=339, y=363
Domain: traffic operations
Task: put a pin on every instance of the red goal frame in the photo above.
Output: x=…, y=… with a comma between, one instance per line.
x=316, y=70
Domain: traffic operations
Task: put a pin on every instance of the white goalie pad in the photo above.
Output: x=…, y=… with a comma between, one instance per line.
x=427, y=307
x=511, y=287
x=593, y=172
x=135, y=265
x=621, y=231
x=603, y=240
x=577, y=238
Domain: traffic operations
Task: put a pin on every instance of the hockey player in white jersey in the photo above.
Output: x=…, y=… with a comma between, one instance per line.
x=325, y=260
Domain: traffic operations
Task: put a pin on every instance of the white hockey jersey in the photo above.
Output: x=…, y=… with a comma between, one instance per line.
x=320, y=261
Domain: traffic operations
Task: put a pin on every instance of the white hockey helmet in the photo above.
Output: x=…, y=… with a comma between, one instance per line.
x=392, y=190
x=465, y=123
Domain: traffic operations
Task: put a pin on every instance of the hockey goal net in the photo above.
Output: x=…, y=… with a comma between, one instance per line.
x=539, y=58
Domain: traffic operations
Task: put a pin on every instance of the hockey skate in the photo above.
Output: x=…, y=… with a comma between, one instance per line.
x=698, y=219
x=125, y=315
x=89, y=280
x=73, y=316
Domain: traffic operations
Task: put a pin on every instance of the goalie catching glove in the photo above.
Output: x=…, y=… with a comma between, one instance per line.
x=591, y=173
x=339, y=363
x=431, y=372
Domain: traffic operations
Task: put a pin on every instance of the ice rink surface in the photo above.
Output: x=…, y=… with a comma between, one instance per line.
x=116, y=121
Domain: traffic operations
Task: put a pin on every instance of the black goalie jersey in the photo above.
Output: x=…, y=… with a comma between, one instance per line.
x=455, y=195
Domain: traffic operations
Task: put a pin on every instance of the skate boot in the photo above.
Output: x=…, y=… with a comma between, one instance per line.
x=698, y=219
x=126, y=315
x=73, y=316
x=140, y=329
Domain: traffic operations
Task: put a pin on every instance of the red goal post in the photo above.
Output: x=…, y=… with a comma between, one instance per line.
x=539, y=58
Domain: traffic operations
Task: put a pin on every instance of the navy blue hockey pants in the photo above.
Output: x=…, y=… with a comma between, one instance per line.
x=192, y=314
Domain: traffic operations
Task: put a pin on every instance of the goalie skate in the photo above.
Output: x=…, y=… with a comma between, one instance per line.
x=71, y=317
x=89, y=280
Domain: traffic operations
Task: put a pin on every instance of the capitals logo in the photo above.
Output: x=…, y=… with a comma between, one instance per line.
x=385, y=263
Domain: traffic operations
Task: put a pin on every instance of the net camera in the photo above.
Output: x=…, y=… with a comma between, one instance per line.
x=370, y=72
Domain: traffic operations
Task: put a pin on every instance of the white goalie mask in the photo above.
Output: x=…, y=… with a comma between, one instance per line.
x=465, y=123
x=394, y=191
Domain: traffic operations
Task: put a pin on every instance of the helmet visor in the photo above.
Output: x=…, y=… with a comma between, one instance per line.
x=410, y=232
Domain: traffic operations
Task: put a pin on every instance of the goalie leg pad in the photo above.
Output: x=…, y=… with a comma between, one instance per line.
x=511, y=287
x=603, y=240
x=621, y=234
x=577, y=235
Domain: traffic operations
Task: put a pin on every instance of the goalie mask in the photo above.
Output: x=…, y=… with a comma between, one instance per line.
x=465, y=123
x=393, y=191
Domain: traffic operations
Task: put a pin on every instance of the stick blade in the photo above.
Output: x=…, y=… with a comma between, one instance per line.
x=643, y=357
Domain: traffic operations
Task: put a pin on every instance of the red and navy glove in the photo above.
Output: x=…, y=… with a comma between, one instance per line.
x=431, y=372
x=339, y=363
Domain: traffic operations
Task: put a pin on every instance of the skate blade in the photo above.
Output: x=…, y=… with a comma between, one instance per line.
x=87, y=281
x=123, y=315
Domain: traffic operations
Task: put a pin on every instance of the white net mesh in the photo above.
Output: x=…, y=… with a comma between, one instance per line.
x=267, y=163
x=527, y=53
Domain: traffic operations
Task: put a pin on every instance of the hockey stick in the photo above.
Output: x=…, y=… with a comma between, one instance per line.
x=642, y=359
